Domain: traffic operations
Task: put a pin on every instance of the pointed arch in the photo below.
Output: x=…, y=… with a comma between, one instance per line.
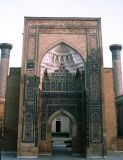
x=53, y=45
x=67, y=114
x=72, y=46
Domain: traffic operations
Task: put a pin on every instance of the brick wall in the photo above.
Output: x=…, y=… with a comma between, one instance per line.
x=110, y=111
x=11, y=110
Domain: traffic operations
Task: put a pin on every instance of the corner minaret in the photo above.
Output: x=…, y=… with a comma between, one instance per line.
x=4, y=66
x=117, y=72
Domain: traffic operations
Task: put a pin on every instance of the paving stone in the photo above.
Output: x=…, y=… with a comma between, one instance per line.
x=64, y=156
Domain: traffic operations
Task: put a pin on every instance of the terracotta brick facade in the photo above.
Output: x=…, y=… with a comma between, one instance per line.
x=84, y=36
x=110, y=118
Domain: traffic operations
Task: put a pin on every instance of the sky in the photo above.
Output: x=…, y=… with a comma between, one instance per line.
x=12, y=13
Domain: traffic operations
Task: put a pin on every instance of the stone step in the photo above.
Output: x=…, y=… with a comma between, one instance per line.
x=58, y=142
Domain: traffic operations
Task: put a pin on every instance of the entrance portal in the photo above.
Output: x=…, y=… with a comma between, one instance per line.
x=62, y=99
x=62, y=140
x=61, y=125
x=66, y=55
x=61, y=133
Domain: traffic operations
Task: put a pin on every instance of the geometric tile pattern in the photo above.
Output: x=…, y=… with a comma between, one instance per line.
x=94, y=107
x=61, y=89
x=30, y=108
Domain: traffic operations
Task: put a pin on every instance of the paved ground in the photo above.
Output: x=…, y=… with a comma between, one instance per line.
x=61, y=154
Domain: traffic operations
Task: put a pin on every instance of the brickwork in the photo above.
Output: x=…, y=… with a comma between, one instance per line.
x=2, y=106
x=41, y=35
x=4, y=73
x=11, y=111
x=110, y=110
x=20, y=96
x=117, y=72
x=4, y=66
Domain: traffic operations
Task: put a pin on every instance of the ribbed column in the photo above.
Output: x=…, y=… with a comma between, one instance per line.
x=4, y=66
x=117, y=72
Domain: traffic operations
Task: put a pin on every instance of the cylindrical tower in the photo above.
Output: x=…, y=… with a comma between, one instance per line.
x=4, y=66
x=117, y=72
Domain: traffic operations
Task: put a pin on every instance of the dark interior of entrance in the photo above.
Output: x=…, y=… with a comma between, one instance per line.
x=58, y=126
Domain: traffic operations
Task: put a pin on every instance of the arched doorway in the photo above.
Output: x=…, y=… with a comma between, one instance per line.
x=62, y=89
x=62, y=136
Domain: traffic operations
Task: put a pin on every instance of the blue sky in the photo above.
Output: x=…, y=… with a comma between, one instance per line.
x=12, y=14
